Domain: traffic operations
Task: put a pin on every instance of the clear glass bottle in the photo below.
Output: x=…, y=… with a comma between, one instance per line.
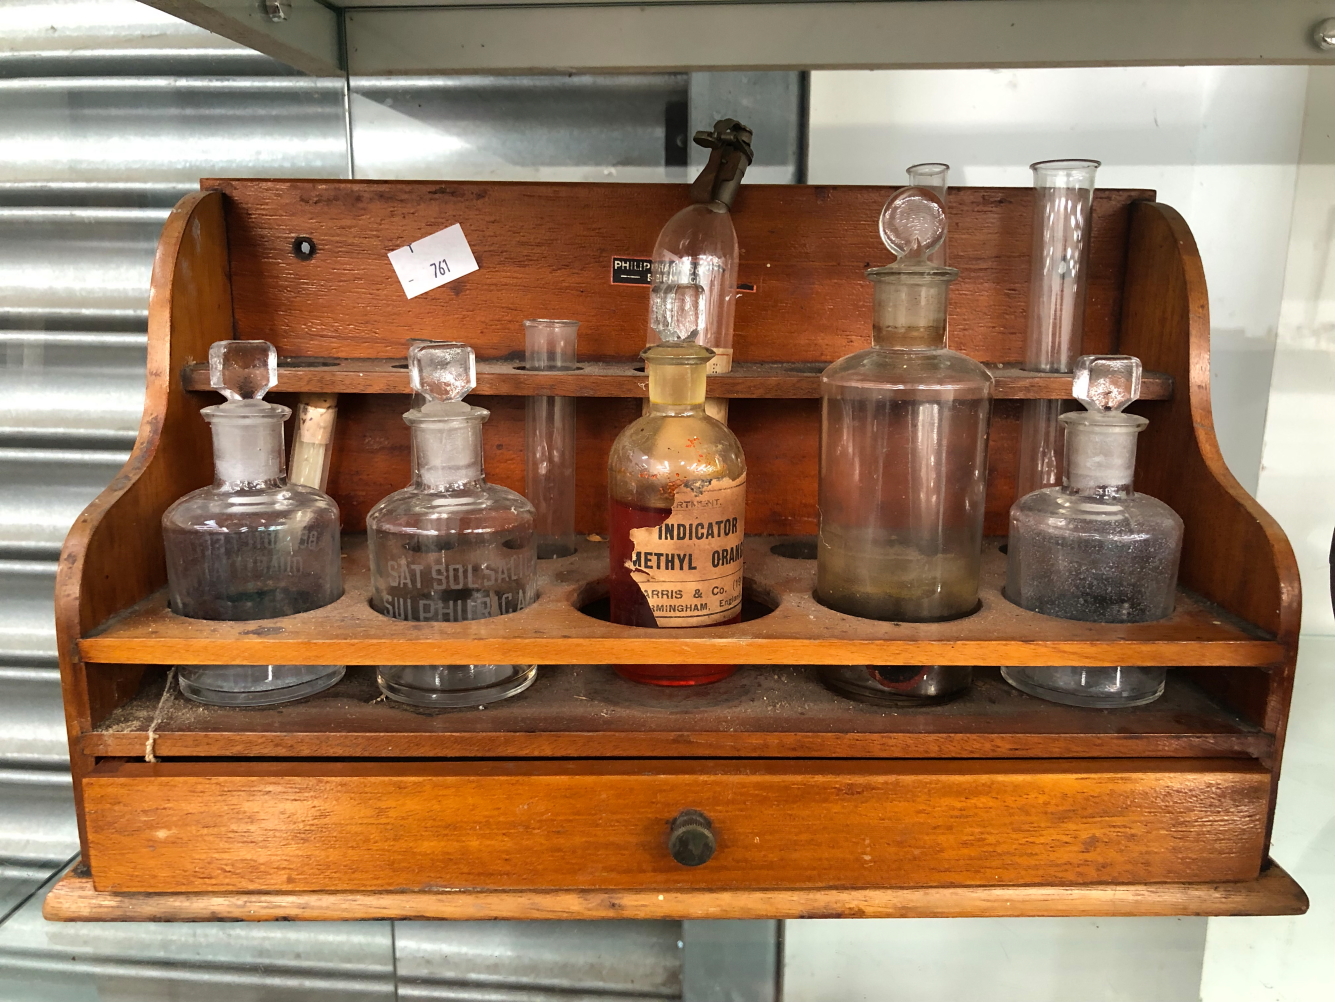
x=903, y=463
x=676, y=482
x=450, y=547
x=1058, y=281
x=251, y=546
x=549, y=439
x=1093, y=549
x=697, y=253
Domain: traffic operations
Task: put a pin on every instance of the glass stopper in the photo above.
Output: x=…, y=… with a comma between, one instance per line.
x=674, y=311
x=1106, y=383
x=913, y=223
x=442, y=370
x=242, y=370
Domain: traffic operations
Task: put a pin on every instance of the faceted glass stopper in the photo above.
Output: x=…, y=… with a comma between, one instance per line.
x=442, y=370
x=913, y=223
x=242, y=370
x=1106, y=383
x=674, y=311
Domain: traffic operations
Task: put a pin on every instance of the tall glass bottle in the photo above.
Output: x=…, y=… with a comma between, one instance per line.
x=549, y=439
x=697, y=250
x=676, y=481
x=450, y=547
x=1093, y=549
x=1058, y=281
x=251, y=546
x=903, y=463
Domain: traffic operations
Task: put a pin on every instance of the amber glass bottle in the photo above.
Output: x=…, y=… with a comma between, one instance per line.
x=677, y=497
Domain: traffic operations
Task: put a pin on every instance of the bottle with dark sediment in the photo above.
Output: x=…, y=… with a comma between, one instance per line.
x=903, y=463
x=677, y=501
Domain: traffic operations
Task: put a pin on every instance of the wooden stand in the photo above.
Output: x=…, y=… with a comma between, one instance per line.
x=556, y=803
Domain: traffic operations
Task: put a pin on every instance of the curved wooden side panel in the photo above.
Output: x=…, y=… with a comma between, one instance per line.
x=1234, y=552
x=112, y=557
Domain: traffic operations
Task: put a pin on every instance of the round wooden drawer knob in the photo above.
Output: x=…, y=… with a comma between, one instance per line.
x=691, y=840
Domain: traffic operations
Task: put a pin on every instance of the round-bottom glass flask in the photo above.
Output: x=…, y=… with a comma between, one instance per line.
x=454, y=685
x=916, y=685
x=254, y=685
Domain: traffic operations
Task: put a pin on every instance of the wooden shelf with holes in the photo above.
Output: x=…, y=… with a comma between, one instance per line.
x=995, y=804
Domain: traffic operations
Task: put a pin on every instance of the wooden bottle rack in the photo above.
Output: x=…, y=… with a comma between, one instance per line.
x=345, y=806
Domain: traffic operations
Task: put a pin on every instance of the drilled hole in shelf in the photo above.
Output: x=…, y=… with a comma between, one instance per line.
x=795, y=549
x=555, y=551
x=1002, y=549
x=306, y=363
x=399, y=365
x=566, y=368
x=757, y=600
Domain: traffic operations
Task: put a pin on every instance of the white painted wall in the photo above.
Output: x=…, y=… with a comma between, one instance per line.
x=1222, y=145
x=1290, y=959
x=1219, y=144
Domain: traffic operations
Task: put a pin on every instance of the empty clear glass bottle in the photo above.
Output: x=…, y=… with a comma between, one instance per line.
x=676, y=481
x=903, y=463
x=251, y=546
x=1094, y=550
x=450, y=547
x=696, y=254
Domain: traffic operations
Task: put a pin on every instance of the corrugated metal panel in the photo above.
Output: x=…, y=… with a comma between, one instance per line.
x=550, y=961
x=109, y=112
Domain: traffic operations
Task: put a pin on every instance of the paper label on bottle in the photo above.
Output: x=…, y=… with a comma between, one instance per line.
x=721, y=362
x=690, y=567
x=429, y=263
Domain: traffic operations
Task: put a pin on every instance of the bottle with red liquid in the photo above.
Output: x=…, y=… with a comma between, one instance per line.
x=677, y=492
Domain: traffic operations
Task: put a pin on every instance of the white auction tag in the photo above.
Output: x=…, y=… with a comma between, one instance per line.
x=432, y=261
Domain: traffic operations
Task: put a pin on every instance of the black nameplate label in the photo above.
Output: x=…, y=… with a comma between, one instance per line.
x=631, y=270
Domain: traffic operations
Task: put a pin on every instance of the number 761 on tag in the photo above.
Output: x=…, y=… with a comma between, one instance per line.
x=428, y=263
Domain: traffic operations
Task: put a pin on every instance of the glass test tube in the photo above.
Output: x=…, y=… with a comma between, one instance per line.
x=549, y=439
x=313, y=440
x=935, y=178
x=1063, y=194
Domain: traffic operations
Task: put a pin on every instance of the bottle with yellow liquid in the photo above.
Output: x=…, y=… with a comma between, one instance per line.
x=677, y=499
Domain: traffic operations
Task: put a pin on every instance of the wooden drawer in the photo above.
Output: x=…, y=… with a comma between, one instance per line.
x=306, y=826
